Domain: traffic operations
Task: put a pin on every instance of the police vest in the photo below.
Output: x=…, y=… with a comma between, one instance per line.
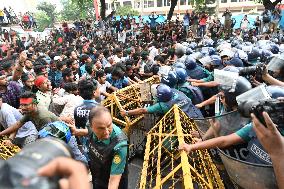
x=185, y=104
x=101, y=157
x=256, y=152
x=194, y=93
x=196, y=73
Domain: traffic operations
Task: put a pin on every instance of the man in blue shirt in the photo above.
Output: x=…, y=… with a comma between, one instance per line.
x=117, y=78
x=153, y=21
x=186, y=21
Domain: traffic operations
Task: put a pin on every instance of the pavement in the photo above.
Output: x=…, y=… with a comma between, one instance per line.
x=134, y=168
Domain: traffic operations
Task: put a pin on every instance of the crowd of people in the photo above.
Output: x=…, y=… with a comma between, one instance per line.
x=62, y=81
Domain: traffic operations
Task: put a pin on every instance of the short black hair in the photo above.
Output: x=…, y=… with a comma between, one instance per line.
x=99, y=74
x=89, y=68
x=38, y=69
x=67, y=72
x=70, y=87
x=60, y=64
x=86, y=88
x=28, y=94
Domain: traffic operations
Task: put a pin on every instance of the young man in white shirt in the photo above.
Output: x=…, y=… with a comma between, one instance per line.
x=103, y=85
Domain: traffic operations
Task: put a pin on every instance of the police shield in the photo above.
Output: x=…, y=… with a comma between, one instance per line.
x=224, y=124
x=276, y=66
x=242, y=174
x=248, y=175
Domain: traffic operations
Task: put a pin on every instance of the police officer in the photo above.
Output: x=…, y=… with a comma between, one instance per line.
x=194, y=93
x=195, y=71
x=166, y=98
x=108, y=150
x=257, y=154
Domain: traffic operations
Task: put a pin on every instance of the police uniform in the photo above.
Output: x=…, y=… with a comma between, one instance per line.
x=199, y=73
x=257, y=154
x=108, y=157
x=181, y=100
x=194, y=93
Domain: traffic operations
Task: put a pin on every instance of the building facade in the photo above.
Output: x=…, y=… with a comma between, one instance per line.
x=162, y=7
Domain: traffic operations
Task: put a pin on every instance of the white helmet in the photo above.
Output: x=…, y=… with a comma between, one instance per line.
x=227, y=52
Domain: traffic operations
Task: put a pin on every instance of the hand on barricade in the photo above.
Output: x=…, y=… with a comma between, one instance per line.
x=8, y=143
x=186, y=147
x=123, y=113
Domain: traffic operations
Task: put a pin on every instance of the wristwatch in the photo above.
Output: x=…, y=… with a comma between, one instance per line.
x=127, y=113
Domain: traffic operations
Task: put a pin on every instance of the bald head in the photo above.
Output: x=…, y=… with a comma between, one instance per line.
x=97, y=112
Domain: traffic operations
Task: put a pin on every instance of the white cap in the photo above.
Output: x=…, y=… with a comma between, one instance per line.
x=205, y=60
x=227, y=52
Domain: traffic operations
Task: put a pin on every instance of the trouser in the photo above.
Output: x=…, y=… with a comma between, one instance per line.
x=228, y=26
x=186, y=27
x=202, y=30
x=75, y=149
x=194, y=29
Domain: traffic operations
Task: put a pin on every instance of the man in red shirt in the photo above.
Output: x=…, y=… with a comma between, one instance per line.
x=202, y=24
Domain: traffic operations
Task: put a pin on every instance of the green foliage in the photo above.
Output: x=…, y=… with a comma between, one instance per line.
x=84, y=7
x=47, y=14
x=202, y=5
x=43, y=21
x=126, y=10
x=70, y=11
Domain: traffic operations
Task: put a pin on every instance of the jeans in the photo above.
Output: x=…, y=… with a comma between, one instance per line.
x=77, y=153
x=202, y=30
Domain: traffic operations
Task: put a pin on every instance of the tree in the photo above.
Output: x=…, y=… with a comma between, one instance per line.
x=49, y=10
x=268, y=4
x=71, y=11
x=199, y=6
x=43, y=21
x=82, y=4
x=126, y=10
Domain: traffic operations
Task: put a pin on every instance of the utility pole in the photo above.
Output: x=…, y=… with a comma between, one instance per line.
x=217, y=8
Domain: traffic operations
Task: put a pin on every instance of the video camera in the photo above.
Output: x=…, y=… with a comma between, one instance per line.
x=20, y=171
x=274, y=107
x=256, y=71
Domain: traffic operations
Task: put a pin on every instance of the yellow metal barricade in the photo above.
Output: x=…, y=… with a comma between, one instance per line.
x=166, y=167
x=6, y=151
x=129, y=98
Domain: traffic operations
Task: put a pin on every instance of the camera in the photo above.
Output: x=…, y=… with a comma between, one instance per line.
x=256, y=71
x=20, y=171
x=274, y=107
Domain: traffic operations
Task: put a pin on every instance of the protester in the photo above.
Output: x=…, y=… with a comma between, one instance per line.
x=76, y=68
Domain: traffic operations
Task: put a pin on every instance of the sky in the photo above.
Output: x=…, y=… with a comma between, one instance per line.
x=26, y=5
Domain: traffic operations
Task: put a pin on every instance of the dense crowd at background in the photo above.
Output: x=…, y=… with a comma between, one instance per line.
x=75, y=69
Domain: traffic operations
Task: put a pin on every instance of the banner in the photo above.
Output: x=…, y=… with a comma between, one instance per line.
x=96, y=7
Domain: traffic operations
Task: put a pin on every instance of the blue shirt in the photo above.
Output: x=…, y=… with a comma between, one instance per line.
x=186, y=20
x=120, y=83
x=83, y=69
x=10, y=115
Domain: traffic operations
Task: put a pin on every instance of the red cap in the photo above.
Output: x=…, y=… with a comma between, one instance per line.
x=39, y=80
